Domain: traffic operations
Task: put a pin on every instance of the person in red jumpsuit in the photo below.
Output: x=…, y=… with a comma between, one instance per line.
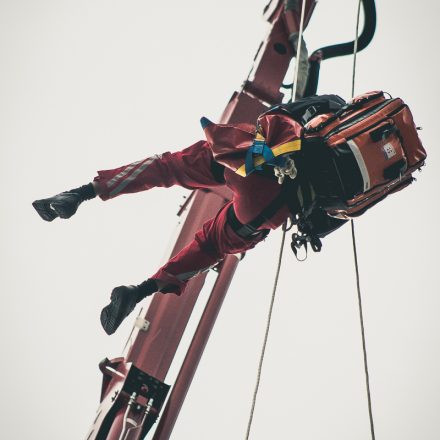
x=205, y=164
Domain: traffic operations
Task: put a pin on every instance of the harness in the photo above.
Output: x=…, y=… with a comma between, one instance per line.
x=298, y=196
x=296, y=191
x=259, y=154
x=247, y=230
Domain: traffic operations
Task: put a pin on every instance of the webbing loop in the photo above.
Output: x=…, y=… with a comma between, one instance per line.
x=261, y=148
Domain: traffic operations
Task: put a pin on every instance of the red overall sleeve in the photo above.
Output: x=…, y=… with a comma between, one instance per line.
x=191, y=168
x=210, y=245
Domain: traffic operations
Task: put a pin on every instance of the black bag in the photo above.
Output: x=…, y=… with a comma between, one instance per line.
x=304, y=109
x=312, y=221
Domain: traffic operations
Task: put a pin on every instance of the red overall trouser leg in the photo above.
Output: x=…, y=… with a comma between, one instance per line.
x=191, y=168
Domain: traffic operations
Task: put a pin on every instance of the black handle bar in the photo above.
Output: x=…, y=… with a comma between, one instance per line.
x=337, y=50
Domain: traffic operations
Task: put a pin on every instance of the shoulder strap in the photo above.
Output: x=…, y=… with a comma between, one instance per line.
x=304, y=109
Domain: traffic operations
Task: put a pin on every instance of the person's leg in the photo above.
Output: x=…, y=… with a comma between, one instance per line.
x=210, y=245
x=192, y=168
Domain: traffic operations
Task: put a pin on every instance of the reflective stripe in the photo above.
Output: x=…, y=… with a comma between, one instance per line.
x=122, y=173
x=360, y=161
x=133, y=175
x=287, y=147
x=187, y=275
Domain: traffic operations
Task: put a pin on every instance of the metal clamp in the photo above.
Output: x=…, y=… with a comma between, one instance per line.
x=142, y=324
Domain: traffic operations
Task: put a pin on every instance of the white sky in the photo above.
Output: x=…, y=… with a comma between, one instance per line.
x=89, y=85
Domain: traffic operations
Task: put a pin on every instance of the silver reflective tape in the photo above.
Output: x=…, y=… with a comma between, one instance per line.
x=187, y=275
x=360, y=161
x=133, y=175
x=122, y=173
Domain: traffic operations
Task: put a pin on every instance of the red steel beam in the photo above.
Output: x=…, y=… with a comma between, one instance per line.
x=195, y=350
x=168, y=315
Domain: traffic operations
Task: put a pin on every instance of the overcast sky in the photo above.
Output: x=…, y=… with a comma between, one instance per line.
x=88, y=85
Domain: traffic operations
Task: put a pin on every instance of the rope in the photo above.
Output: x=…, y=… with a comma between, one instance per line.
x=364, y=345
x=269, y=316
x=355, y=48
x=266, y=334
x=361, y=314
x=280, y=256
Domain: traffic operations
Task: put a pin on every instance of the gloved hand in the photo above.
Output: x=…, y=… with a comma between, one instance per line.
x=123, y=300
x=65, y=204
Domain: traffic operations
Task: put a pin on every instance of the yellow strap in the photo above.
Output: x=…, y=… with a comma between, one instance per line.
x=288, y=147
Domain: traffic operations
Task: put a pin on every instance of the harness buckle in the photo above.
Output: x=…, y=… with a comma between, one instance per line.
x=300, y=240
x=309, y=114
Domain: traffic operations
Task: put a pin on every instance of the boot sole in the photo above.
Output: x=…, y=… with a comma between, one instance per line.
x=112, y=315
x=44, y=210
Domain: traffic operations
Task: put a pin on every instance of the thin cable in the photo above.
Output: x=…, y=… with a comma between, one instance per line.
x=280, y=256
x=364, y=345
x=355, y=49
x=266, y=334
x=353, y=236
x=298, y=52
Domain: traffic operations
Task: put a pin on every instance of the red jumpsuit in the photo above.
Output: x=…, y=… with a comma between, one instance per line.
x=192, y=168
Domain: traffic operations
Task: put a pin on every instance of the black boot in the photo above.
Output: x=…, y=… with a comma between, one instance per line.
x=123, y=300
x=65, y=204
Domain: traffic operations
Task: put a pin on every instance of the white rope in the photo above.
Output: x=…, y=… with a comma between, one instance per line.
x=355, y=48
x=266, y=334
x=280, y=256
x=269, y=317
x=361, y=315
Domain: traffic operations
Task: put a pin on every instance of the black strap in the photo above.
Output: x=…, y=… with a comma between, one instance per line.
x=351, y=106
x=218, y=171
x=287, y=195
x=243, y=230
x=304, y=109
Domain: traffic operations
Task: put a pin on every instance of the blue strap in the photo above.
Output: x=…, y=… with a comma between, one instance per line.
x=205, y=122
x=260, y=148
